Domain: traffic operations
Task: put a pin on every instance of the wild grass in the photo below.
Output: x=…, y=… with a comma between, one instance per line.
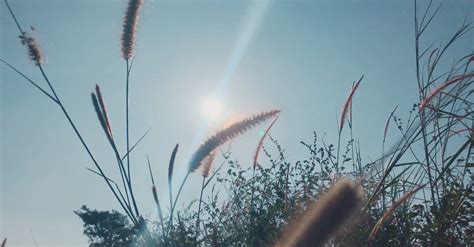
x=331, y=197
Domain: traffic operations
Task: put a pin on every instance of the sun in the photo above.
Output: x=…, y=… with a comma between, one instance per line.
x=211, y=108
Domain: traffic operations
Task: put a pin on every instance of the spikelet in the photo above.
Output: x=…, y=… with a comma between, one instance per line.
x=350, y=108
x=206, y=164
x=322, y=219
x=260, y=143
x=391, y=210
x=225, y=135
x=155, y=194
x=4, y=242
x=105, y=114
x=130, y=28
x=442, y=87
x=34, y=51
x=98, y=111
x=348, y=104
x=171, y=164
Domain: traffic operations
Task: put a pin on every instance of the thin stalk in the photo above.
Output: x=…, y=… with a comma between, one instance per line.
x=14, y=17
x=136, y=144
x=127, y=117
x=157, y=200
x=338, y=150
x=176, y=199
x=123, y=175
x=86, y=147
x=30, y=81
x=199, y=207
x=116, y=186
x=57, y=100
x=128, y=137
x=418, y=31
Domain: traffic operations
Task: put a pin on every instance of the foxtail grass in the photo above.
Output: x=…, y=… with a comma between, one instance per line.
x=129, y=31
x=387, y=215
x=156, y=199
x=347, y=105
x=216, y=140
x=324, y=217
x=170, y=172
x=207, y=164
x=225, y=135
x=36, y=55
x=260, y=143
x=441, y=87
x=34, y=51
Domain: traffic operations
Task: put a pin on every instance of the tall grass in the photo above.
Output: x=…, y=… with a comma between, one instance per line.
x=424, y=176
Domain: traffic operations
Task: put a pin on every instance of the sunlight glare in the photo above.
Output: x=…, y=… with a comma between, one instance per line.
x=212, y=108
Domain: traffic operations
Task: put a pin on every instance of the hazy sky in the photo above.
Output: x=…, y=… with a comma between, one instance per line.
x=298, y=56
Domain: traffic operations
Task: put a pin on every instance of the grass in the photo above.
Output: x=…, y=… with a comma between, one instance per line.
x=331, y=197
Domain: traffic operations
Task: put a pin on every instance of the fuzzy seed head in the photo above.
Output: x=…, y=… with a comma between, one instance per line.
x=108, y=128
x=225, y=135
x=98, y=111
x=206, y=164
x=324, y=217
x=348, y=105
x=155, y=193
x=34, y=51
x=129, y=31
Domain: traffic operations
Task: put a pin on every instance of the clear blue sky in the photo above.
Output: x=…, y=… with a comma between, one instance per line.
x=298, y=56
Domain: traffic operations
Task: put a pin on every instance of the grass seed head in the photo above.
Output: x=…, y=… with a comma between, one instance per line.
x=132, y=15
x=34, y=51
x=155, y=193
x=324, y=217
x=206, y=164
x=226, y=134
x=348, y=105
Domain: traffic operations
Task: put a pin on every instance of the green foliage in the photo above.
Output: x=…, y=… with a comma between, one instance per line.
x=107, y=228
x=251, y=208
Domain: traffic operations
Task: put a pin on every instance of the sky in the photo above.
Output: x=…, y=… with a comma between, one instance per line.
x=251, y=56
